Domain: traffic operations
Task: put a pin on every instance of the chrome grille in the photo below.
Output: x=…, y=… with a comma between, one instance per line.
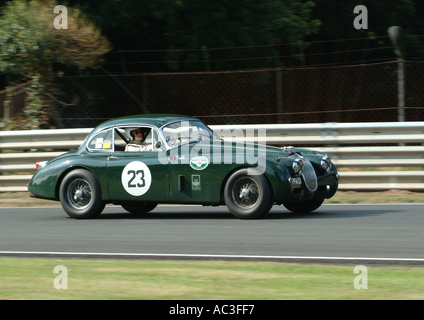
x=309, y=175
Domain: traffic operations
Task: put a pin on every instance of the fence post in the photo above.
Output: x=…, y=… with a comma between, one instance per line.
x=145, y=81
x=6, y=111
x=401, y=89
x=123, y=64
x=206, y=58
x=396, y=38
x=279, y=85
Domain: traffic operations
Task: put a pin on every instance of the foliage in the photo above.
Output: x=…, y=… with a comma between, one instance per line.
x=191, y=25
x=237, y=23
x=186, y=26
x=169, y=35
x=32, y=47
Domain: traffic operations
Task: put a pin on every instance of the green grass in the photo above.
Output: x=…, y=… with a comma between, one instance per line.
x=169, y=280
x=382, y=169
x=392, y=196
x=22, y=199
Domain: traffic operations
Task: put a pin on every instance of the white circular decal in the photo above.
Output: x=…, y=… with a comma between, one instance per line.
x=199, y=163
x=136, y=178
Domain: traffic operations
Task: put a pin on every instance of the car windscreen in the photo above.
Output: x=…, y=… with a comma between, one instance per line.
x=180, y=132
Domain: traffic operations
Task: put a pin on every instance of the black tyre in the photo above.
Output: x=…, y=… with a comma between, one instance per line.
x=80, y=195
x=248, y=196
x=139, y=207
x=304, y=207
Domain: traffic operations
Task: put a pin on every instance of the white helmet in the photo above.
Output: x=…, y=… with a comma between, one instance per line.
x=130, y=135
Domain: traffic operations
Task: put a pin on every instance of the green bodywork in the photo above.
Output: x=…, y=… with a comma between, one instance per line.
x=172, y=175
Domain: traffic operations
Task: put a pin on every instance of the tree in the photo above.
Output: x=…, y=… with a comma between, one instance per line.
x=238, y=23
x=337, y=24
x=184, y=27
x=32, y=47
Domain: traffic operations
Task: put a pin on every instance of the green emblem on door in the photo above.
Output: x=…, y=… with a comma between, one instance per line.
x=195, y=182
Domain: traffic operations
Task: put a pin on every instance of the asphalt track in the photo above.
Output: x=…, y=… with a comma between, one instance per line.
x=360, y=233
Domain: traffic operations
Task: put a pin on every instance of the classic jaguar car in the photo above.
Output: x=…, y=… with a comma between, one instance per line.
x=182, y=161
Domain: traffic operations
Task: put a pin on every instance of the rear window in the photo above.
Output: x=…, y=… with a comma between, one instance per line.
x=102, y=141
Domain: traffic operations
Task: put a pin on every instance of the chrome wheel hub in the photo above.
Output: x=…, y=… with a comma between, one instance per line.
x=79, y=194
x=245, y=193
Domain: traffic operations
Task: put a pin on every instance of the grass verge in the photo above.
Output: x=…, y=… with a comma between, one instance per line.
x=391, y=196
x=218, y=280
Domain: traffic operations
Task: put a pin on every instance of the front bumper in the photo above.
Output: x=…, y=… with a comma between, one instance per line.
x=327, y=187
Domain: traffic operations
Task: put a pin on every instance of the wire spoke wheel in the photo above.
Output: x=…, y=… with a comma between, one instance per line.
x=79, y=194
x=248, y=196
x=245, y=193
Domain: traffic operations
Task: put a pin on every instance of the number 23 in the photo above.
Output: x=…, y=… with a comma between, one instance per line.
x=134, y=175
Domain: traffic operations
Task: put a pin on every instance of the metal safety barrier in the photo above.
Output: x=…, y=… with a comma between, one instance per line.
x=355, y=148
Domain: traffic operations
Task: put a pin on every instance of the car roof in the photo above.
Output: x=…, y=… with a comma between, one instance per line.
x=157, y=120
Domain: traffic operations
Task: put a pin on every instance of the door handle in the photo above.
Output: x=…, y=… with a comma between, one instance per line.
x=113, y=158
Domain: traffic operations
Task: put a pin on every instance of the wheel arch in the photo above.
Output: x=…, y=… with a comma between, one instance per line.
x=228, y=175
x=63, y=175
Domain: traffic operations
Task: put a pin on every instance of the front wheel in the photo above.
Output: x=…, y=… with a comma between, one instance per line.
x=304, y=207
x=248, y=196
x=139, y=207
x=80, y=195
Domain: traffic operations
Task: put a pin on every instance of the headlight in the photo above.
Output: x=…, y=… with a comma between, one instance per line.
x=326, y=163
x=297, y=166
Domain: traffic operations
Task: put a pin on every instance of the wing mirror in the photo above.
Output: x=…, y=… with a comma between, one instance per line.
x=158, y=145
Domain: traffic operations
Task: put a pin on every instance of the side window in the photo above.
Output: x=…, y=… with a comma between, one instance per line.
x=185, y=131
x=102, y=141
x=152, y=138
x=156, y=139
x=149, y=137
x=128, y=139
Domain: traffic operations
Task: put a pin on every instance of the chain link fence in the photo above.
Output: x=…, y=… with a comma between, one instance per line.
x=356, y=93
x=13, y=101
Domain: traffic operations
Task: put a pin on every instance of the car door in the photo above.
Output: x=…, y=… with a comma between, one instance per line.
x=193, y=176
x=138, y=176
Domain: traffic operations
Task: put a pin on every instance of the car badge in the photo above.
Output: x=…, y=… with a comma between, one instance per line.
x=199, y=163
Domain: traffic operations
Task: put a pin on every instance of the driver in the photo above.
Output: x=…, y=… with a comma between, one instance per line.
x=138, y=143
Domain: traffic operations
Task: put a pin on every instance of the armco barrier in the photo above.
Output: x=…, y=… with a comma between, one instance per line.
x=350, y=145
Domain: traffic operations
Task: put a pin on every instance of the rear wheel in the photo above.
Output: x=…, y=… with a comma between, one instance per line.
x=248, y=196
x=139, y=207
x=304, y=207
x=80, y=195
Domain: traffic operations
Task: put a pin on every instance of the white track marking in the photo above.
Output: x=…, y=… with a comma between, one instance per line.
x=215, y=256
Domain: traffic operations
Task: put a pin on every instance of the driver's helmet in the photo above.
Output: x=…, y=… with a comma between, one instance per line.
x=130, y=132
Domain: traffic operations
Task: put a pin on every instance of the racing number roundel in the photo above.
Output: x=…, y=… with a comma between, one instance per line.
x=136, y=178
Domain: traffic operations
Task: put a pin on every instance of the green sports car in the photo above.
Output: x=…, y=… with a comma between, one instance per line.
x=141, y=161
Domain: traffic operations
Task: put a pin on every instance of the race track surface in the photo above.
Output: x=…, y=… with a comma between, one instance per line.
x=333, y=231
